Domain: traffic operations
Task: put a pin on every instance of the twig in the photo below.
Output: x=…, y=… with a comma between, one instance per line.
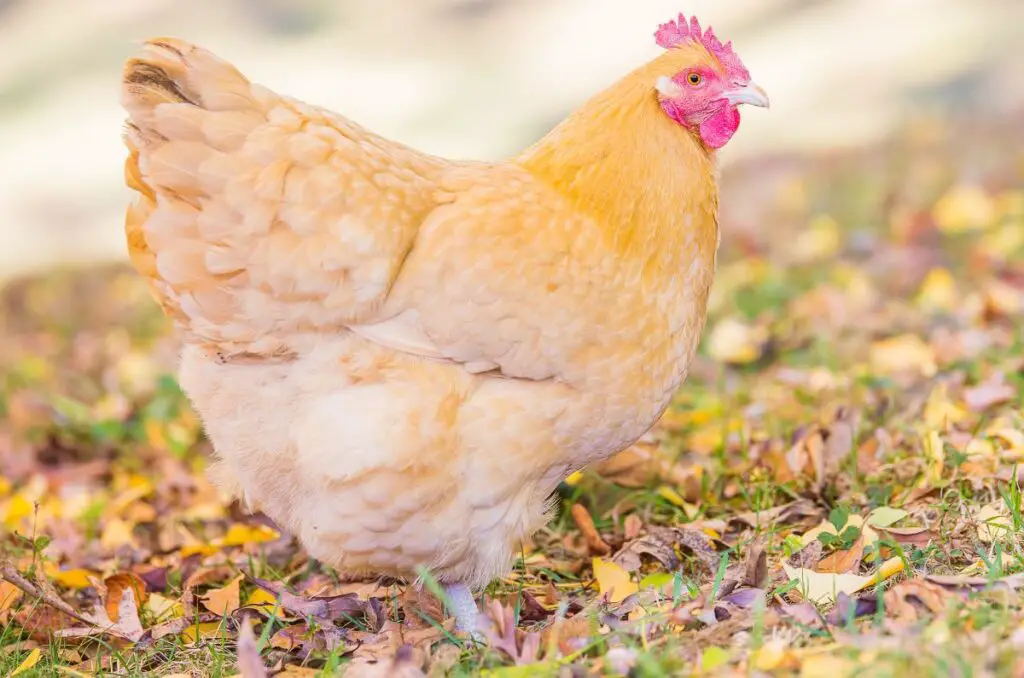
x=14, y=577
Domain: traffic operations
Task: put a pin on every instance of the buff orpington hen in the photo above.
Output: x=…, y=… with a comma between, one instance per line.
x=398, y=357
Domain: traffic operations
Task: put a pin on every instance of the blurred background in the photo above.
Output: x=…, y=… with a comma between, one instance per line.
x=471, y=78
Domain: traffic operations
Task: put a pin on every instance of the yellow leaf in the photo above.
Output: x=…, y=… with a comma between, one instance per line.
x=17, y=509
x=1014, y=439
x=223, y=601
x=573, y=478
x=240, y=534
x=819, y=587
x=938, y=291
x=674, y=498
x=193, y=549
x=993, y=522
x=116, y=533
x=889, y=568
x=964, y=208
x=31, y=660
x=713, y=657
x=902, y=353
x=71, y=579
x=9, y=595
x=5, y=486
x=825, y=666
x=613, y=580
x=163, y=608
x=195, y=632
x=940, y=411
x=734, y=341
x=935, y=458
x=770, y=656
x=262, y=600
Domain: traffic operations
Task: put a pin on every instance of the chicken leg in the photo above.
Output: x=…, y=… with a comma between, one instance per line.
x=463, y=607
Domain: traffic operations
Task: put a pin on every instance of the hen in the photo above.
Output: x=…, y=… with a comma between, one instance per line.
x=398, y=357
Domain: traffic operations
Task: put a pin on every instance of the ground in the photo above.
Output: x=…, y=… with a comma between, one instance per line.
x=834, y=492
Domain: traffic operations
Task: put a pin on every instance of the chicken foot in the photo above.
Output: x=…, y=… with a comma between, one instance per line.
x=463, y=607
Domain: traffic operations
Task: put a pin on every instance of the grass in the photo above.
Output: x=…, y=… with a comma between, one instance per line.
x=863, y=351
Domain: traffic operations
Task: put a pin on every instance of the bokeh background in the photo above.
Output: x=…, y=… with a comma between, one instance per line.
x=471, y=78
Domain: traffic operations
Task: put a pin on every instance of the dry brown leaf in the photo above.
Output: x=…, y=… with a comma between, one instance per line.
x=328, y=608
x=499, y=628
x=842, y=561
x=910, y=536
x=756, y=571
x=595, y=544
x=907, y=600
x=115, y=586
x=632, y=526
x=636, y=466
x=660, y=543
x=225, y=600
x=420, y=607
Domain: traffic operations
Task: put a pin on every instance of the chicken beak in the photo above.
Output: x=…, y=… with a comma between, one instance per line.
x=748, y=94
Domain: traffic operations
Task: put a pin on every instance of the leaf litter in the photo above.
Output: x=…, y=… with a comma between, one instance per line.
x=839, y=477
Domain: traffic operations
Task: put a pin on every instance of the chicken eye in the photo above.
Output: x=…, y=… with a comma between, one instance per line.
x=695, y=78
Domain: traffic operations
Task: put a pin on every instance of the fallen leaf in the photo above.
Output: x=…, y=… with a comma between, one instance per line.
x=585, y=523
x=986, y=395
x=307, y=639
x=636, y=466
x=613, y=581
x=225, y=600
x=756, y=571
x=935, y=458
x=660, y=543
x=993, y=522
x=735, y=342
x=847, y=608
x=631, y=528
x=909, y=600
x=127, y=627
x=31, y=660
x=820, y=588
x=770, y=656
x=498, y=627
x=117, y=533
x=885, y=516
x=903, y=353
x=116, y=584
x=241, y=534
x=910, y=536
x=953, y=582
x=420, y=607
x=330, y=608
x=964, y=208
x=826, y=666
x=938, y=291
x=162, y=608
x=9, y=595
x=75, y=578
x=843, y=560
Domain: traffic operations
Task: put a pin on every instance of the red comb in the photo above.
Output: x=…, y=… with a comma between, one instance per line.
x=676, y=32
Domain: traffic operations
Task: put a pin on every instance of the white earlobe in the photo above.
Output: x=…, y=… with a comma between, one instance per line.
x=668, y=88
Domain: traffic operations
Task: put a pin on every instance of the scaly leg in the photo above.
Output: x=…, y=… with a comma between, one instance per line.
x=463, y=607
